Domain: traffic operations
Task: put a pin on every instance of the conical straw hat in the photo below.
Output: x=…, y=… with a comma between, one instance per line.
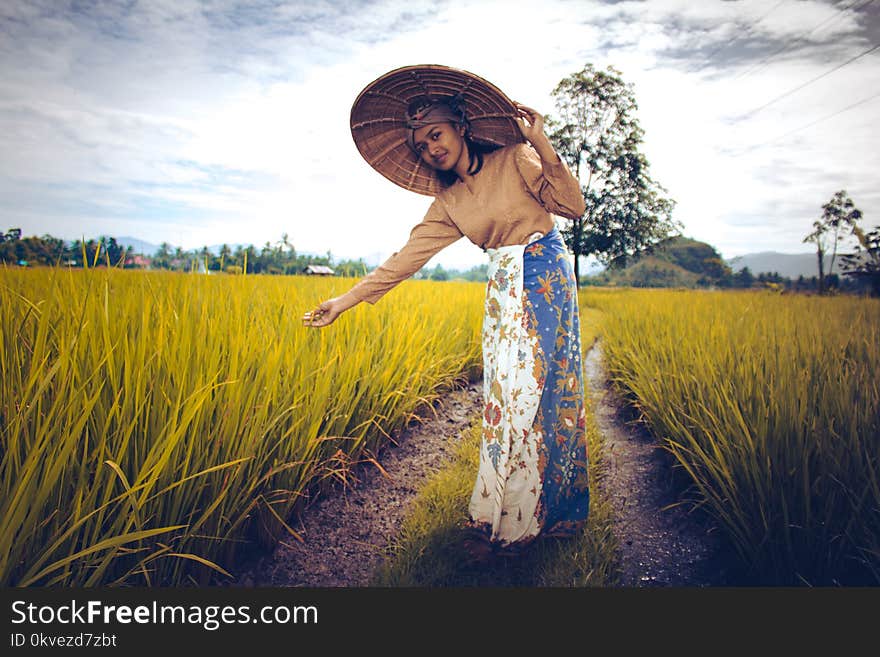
x=378, y=119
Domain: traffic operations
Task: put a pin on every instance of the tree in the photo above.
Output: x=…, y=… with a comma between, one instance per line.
x=162, y=257
x=864, y=263
x=839, y=213
x=225, y=253
x=439, y=274
x=598, y=135
x=285, y=243
x=249, y=260
x=11, y=235
x=111, y=251
x=351, y=268
x=743, y=278
x=52, y=251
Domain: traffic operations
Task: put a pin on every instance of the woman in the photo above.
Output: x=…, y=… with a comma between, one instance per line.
x=452, y=135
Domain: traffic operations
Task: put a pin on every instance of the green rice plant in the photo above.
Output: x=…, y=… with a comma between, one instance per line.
x=771, y=405
x=153, y=425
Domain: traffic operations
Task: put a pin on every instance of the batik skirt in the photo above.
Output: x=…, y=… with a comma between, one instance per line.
x=532, y=477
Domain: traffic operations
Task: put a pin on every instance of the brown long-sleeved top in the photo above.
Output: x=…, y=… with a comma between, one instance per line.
x=509, y=199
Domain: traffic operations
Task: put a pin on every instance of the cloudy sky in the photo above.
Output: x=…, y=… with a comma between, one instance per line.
x=198, y=122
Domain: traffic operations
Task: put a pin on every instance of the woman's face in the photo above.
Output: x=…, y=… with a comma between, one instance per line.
x=442, y=146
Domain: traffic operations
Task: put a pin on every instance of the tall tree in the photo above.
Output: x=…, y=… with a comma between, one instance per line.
x=599, y=136
x=249, y=260
x=285, y=241
x=162, y=257
x=11, y=235
x=111, y=251
x=225, y=253
x=838, y=214
x=819, y=238
x=743, y=278
x=864, y=263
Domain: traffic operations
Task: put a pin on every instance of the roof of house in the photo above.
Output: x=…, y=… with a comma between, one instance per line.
x=319, y=269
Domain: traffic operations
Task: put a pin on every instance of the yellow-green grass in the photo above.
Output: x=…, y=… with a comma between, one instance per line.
x=771, y=404
x=430, y=549
x=591, y=323
x=153, y=424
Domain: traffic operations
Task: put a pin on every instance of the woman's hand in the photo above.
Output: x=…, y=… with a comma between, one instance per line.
x=531, y=124
x=324, y=315
x=327, y=311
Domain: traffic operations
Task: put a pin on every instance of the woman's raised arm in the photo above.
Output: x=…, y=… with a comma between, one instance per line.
x=545, y=174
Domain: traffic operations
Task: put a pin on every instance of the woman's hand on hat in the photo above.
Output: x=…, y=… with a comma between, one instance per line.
x=530, y=122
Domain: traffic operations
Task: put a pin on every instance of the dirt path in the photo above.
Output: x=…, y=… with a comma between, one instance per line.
x=346, y=532
x=659, y=546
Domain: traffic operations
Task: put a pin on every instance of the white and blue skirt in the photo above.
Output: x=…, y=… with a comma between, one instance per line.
x=532, y=477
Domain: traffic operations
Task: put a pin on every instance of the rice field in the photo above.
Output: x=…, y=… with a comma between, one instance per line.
x=771, y=405
x=151, y=424
x=155, y=425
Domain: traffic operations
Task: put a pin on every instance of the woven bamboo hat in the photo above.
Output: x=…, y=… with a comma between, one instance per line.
x=379, y=128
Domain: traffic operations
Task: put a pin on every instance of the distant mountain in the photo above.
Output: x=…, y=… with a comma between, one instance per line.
x=790, y=265
x=137, y=246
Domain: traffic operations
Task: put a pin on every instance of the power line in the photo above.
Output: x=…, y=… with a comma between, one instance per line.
x=787, y=46
x=812, y=123
x=738, y=36
x=808, y=82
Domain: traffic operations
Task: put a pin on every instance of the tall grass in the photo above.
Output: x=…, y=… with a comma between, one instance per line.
x=151, y=424
x=771, y=404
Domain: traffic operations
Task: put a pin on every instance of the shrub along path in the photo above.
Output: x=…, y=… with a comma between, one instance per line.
x=347, y=531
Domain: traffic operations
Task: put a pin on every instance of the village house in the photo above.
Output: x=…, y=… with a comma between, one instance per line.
x=319, y=270
x=138, y=261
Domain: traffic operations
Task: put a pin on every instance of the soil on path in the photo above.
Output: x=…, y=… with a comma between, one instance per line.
x=660, y=544
x=347, y=531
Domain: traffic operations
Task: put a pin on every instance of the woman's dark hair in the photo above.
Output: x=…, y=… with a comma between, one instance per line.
x=476, y=150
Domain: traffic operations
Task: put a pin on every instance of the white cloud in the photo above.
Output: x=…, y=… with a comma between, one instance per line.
x=202, y=122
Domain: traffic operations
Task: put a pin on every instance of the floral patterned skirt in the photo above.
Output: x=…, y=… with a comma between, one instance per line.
x=532, y=477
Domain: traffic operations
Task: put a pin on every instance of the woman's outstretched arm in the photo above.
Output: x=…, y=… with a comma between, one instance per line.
x=435, y=232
